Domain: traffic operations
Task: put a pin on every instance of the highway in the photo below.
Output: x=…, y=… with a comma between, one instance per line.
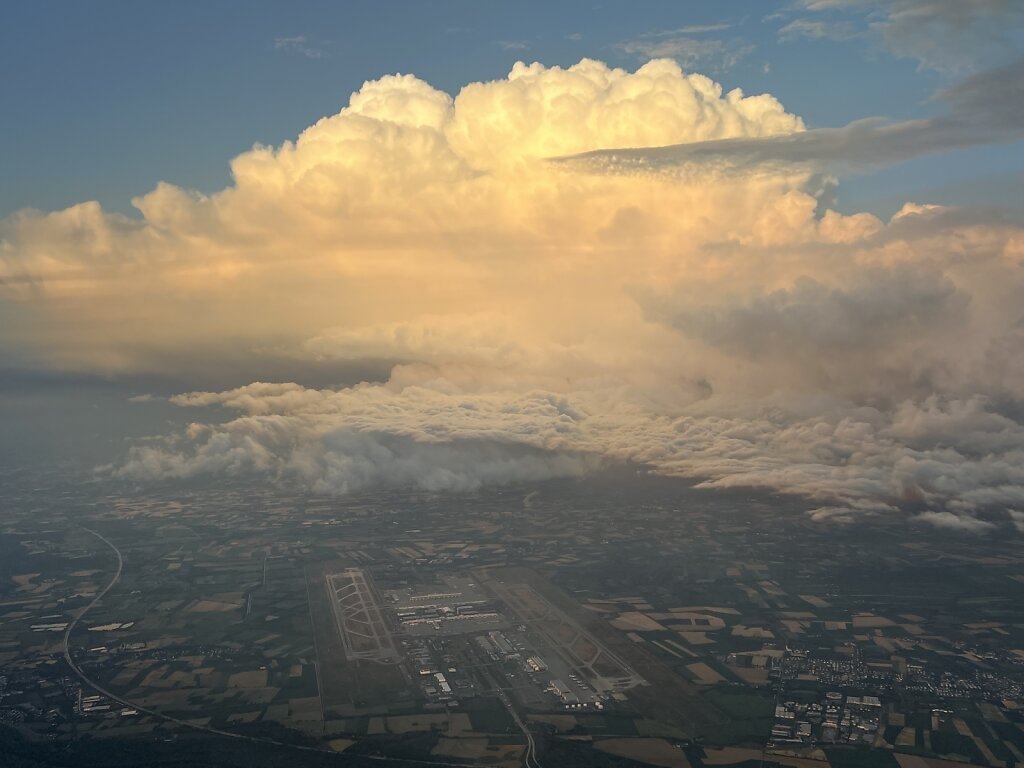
x=530, y=755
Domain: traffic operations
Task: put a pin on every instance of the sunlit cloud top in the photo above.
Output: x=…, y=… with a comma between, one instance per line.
x=561, y=268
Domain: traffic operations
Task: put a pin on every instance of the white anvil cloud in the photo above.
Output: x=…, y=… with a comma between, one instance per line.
x=706, y=319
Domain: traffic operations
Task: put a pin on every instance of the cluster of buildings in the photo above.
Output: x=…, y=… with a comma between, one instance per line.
x=575, y=695
x=96, y=705
x=833, y=720
x=24, y=700
x=978, y=685
x=438, y=607
x=974, y=683
x=497, y=646
x=8, y=716
x=851, y=672
x=984, y=679
x=455, y=608
x=49, y=706
x=514, y=649
x=440, y=678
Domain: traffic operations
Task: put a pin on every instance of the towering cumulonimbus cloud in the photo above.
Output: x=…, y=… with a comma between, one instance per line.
x=708, y=318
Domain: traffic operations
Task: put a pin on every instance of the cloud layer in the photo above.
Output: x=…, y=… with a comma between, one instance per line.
x=986, y=108
x=708, y=318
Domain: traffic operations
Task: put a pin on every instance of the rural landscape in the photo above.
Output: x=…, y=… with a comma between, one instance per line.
x=507, y=627
x=483, y=384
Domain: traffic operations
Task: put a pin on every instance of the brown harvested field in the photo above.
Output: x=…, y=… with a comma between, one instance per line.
x=699, y=620
x=743, y=631
x=245, y=717
x=256, y=696
x=211, y=679
x=182, y=680
x=816, y=601
x=452, y=725
x=561, y=722
x=651, y=751
x=341, y=726
x=254, y=678
x=129, y=672
x=961, y=727
x=771, y=588
x=277, y=712
x=696, y=638
x=153, y=678
x=120, y=730
x=500, y=756
x=340, y=745
x=870, y=621
x=991, y=712
x=164, y=700
x=914, y=761
x=634, y=620
x=304, y=705
x=705, y=675
x=468, y=749
x=213, y=606
x=705, y=609
x=750, y=675
x=884, y=643
x=734, y=755
x=1015, y=751
x=906, y=737
x=987, y=753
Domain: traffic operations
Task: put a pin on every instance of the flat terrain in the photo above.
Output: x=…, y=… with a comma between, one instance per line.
x=613, y=621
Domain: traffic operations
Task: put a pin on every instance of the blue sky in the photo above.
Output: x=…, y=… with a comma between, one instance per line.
x=415, y=295
x=104, y=99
